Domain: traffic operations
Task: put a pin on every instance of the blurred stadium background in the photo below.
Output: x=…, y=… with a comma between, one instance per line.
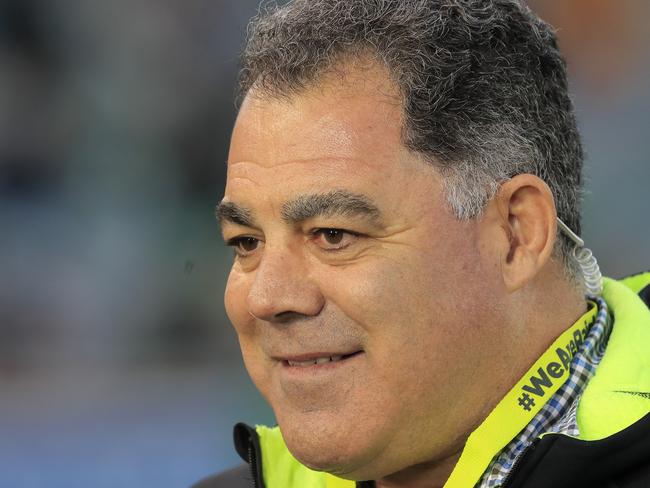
x=118, y=367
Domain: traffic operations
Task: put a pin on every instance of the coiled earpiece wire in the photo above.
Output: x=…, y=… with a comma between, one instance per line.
x=586, y=260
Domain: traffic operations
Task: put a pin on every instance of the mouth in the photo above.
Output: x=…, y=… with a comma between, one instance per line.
x=316, y=359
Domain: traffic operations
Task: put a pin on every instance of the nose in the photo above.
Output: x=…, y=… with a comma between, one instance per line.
x=282, y=289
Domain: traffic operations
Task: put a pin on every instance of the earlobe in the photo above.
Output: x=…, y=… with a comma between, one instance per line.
x=528, y=214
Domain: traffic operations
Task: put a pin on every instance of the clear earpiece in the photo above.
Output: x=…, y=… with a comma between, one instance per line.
x=586, y=260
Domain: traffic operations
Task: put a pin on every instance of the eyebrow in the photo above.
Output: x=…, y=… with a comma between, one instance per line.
x=305, y=207
x=335, y=202
x=234, y=213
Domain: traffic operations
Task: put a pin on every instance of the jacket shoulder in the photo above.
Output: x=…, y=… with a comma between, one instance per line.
x=239, y=477
x=621, y=460
x=639, y=283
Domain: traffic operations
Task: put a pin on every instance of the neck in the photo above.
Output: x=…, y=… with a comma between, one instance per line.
x=426, y=475
x=550, y=314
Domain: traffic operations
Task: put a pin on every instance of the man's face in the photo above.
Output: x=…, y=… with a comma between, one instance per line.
x=365, y=311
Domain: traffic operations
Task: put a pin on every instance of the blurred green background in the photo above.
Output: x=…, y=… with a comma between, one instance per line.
x=117, y=363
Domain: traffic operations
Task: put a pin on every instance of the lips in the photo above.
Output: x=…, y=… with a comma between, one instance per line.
x=306, y=360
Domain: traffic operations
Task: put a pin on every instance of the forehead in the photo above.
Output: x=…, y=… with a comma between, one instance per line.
x=349, y=111
x=345, y=132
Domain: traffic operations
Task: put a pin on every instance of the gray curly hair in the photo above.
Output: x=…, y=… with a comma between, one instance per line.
x=483, y=87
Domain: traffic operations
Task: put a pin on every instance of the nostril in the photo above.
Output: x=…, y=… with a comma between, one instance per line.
x=282, y=317
x=288, y=316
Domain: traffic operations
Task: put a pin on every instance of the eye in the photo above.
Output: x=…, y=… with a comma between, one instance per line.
x=333, y=239
x=244, y=245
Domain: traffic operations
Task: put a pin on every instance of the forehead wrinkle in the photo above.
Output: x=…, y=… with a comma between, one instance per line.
x=335, y=202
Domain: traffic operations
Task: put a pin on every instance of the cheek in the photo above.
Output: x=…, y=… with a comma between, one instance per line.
x=416, y=311
x=235, y=295
x=396, y=297
x=244, y=324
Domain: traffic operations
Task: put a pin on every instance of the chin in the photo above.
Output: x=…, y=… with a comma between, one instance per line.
x=327, y=446
x=319, y=459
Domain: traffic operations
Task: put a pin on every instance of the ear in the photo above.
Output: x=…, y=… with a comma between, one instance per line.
x=528, y=217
